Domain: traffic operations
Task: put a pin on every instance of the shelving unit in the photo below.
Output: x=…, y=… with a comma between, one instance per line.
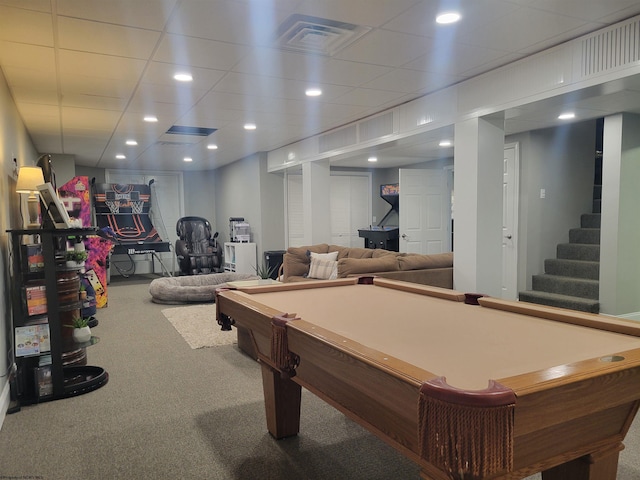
x=67, y=373
x=240, y=257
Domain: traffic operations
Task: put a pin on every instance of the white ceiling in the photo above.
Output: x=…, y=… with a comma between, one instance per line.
x=83, y=73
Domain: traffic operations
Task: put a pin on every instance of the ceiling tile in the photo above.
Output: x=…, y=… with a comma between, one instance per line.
x=149, y=14
x=26, y=26
x=96, y=37
x=386, y=48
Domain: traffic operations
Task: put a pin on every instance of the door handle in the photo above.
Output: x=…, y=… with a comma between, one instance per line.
x=508, y=237
x=404, y=236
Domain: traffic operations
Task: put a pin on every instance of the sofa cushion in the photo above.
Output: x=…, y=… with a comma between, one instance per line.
x=414, y=261
x=302, y=253
x=323, y=268
x=354, y=266
x=359, y=252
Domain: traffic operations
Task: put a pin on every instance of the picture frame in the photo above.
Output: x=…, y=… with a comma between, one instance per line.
x=53, y=206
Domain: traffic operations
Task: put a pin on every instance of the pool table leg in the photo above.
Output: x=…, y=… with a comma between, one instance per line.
x=282, y=398
x=602, y=465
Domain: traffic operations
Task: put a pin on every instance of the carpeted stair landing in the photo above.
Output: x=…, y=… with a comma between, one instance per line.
x=572, y=279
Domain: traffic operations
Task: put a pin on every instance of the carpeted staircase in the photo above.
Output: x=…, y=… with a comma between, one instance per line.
x=572, y=279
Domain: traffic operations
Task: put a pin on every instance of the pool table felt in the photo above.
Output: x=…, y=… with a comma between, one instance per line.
x=467, y=344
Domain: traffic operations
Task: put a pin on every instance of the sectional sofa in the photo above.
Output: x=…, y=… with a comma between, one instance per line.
x=322, y=261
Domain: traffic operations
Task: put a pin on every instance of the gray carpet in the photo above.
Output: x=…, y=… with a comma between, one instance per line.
x=172, y=412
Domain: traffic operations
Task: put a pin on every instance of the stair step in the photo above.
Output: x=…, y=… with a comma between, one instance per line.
x=578, y=251
x=575, y=287
x=589, y=236
x=572, y=268
x=590, y=220
x=562, y=301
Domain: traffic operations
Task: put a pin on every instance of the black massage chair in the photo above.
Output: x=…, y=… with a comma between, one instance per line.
x=197, y=250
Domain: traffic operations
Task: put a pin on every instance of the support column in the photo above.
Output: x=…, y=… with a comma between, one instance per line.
x=316, y=189
x=620, y=225
x=478, y=170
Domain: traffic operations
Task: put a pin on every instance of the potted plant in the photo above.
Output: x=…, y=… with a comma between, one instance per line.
x=263, y=271
x=81, y=330
x=75, y=258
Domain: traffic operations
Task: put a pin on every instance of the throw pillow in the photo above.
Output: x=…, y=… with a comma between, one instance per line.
x=323, y=269
x=333, y=256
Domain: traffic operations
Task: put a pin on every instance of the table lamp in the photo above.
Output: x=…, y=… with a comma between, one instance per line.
x=28, y=180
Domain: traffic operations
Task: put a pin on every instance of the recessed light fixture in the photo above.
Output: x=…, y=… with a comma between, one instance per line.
x=448, y=17
x=120, y=156
x=131, y=143
x=187, y=159
x=150, y=118
x=372, y=159
x=566, y=116
x=313, y=92
x=250, y=126
x=183, y=77
x=445, y=143
x=212, y=146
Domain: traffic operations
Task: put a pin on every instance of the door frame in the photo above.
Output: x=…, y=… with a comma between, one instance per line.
x=510, y=267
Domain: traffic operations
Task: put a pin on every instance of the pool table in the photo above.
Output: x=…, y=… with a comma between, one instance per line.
x=466, y=387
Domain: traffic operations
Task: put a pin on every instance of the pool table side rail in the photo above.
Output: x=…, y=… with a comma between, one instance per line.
x=591, y=320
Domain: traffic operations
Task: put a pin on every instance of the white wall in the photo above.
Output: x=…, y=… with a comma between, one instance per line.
x=15, y=143
x=244, y=189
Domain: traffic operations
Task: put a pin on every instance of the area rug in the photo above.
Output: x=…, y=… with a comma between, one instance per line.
x=197, y=325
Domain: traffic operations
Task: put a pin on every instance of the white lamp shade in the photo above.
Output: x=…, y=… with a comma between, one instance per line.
x=28, y=179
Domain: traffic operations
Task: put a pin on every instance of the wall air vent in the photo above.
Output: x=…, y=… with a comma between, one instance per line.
x=196, y=131
x=307, y=34
x=341, y=138
x=611, y=49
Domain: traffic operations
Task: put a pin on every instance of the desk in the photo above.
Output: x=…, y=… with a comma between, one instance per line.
x=568, y=383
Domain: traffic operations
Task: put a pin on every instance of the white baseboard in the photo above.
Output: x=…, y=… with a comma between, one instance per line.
x=5, y=400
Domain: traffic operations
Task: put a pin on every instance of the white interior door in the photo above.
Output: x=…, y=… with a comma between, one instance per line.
x=510, y=223
x=295, y=211
x=424, y=211
x=350, y=208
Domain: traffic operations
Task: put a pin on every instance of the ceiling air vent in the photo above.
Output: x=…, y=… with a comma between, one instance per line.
x=307, y=34
x=196, y=131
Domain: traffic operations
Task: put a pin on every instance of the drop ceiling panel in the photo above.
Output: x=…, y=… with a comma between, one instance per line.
x=84, y=119
x=30, y=78
x=149, y=14
x=386, y=48
x=108, y=39
x=33, y=57
x=26, y=26
x=229, y=21
x=361, y=12
x=198, y=52
x=90, y=65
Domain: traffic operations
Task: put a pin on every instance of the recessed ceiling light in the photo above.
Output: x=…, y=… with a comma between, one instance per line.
x=566, y=116
x=150, y=118
x=183, y=77
x=250, y=126
x=212, y=146
x=445, y=143
x=120, y=156
x=187, y=159
x=372, y=159
x=131, y=143
x=448, y=17
x=313, y=92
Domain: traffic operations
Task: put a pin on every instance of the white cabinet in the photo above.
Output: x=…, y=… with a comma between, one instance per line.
x=240, y=257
